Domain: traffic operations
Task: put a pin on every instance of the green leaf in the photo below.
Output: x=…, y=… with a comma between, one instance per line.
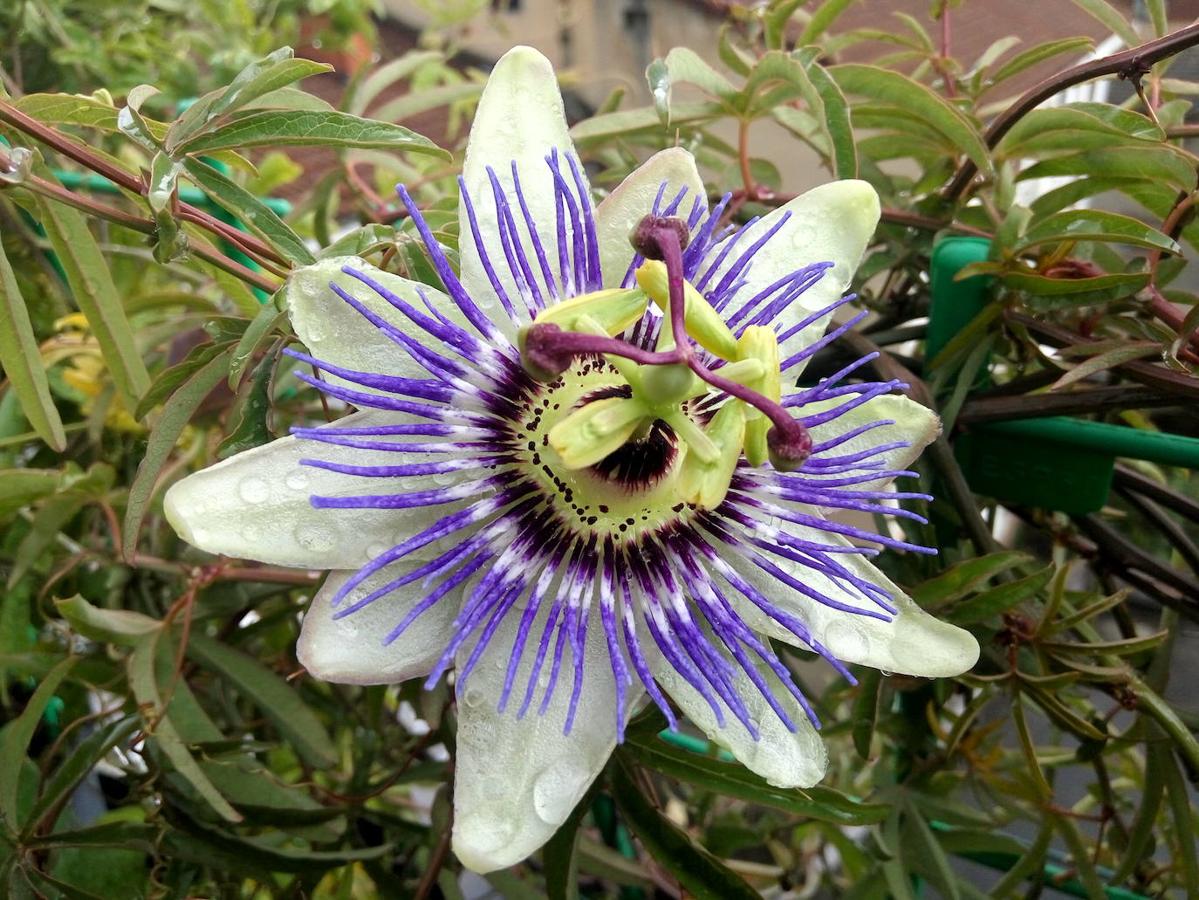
x=268, y=74
x=1124, y=647
x=1045, y=294
x=1155, y=164
x=1094, y=225
x=892, y=87
x=270, y=693
x=561, y=856
x=685, y=66
x=925, y=847
x=249, y=415
x=633, y=121
x=170, y=243
x=1111, y=19
x=210, y=846
x=67, y=775
x=144, y=685
x=274, y=128
x=828, y=106
x=822, y=19
x=865, y=710
x=417, y=102
x=698, y=871
x=255, y=335
x=964, y=577
x=1109, y=360
x=250, y=210
x=775, y=21
x=15, y=741
x=169, y=381
x=733, y=780
x=20, y=487
x=1184, y=821
x=176, y=413
x=388, y=74
x=122, y=627
x=361, y=241
x=21, y=361
x=1026, y=59
x=95, y=294
x=998, y=600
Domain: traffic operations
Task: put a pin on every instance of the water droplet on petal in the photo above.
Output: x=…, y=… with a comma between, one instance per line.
x=846, y=640
x=314, y=537
x=297, y=480
x=473, y=696
x=253, y=490
x=557, y=790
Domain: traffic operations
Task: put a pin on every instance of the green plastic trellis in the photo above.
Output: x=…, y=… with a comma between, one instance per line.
x=1060, y=463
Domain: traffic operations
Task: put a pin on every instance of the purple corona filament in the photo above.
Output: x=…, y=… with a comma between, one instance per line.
x=517, y=551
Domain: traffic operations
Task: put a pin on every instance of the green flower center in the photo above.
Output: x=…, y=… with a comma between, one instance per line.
x=633, y=490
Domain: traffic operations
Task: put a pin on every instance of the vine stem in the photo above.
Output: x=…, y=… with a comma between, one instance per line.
x=1128, y=64
x=53, y=138
x=142, y=225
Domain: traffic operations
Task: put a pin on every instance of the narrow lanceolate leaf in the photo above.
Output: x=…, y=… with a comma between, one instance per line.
x=865, y=710
x=271, y=694
x=999, y=600
x=22, y=362
x=825, y=103
x=822, y=19
x=123, y=627
x=699, y=872
x=260, y=78
x=65, y=777
x=958, y=581
x=1095, y=225
x=252, y=338
x=416, y=102
x=892, y=87
x=96, y=296
x=145, y=690
x=175, y=415
x=1104, y=361
x=1154, y=164
x=19, y=487
x=1026, y=59
x=1111, y=19
x=733, y=780
x=252, y=211
x=16, y=741
x=273, y=128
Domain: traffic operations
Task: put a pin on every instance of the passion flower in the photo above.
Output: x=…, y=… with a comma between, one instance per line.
x=559, y=483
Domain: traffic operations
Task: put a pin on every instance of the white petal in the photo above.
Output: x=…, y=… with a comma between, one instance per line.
x=831, y=223
x=350, y=650
x=255, y=505
x=784, y=758
x=517, y=780
x=914, y=423
x=520, y=119
x=335, y=332
x=633, y=199
x=913, y=643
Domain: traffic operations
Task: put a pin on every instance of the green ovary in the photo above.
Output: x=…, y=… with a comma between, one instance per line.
x=588, y=499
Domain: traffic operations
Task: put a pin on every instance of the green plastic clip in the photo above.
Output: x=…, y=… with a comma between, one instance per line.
x=1059, y=463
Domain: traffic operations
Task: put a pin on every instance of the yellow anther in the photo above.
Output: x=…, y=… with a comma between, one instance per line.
x=761, y=344
x=702, y=321
x=614, y=310
x=596, y=430
x=706, y=483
